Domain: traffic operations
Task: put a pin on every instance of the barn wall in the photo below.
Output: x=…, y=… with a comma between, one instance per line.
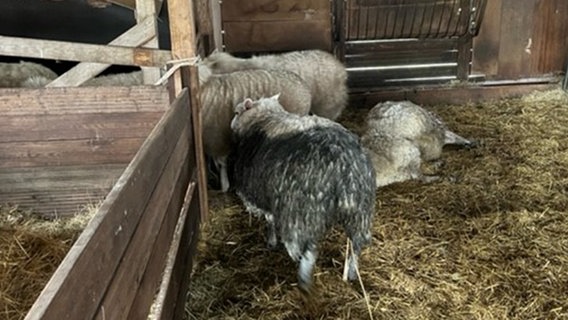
x=522, y=38
x=268, y=25
x=64, y=148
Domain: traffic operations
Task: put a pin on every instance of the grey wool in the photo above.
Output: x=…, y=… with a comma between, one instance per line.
x=304, y=175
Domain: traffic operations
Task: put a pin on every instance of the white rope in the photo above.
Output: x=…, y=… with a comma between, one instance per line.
x=176, y=64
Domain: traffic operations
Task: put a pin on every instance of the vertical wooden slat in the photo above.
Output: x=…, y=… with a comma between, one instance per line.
x=486, y=44
x=516, y=33
x=146, y=9
x=183, y=38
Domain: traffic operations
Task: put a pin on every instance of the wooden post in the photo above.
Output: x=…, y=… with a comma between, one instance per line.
x=184, y=46
x=464, y=57
x=147, y=9
x=215, y=11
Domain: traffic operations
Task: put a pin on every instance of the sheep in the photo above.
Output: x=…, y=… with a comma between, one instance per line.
x=323, y=73
x=400, y=135
x=221, y=92
x=304, y=174
x=14, y=75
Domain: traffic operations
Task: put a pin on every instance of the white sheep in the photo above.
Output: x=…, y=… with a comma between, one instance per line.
x=400, y=135
x=14, y=75
x=304, y=175
x=325, y=75
x=220, y=93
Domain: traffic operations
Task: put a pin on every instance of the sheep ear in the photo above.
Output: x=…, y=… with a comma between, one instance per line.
x=276, y=96
x=248, y=103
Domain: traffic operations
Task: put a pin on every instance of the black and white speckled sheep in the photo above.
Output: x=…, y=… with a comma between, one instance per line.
x=304, y=174
x=325, y=75
x=400, y=135
x=220, y=93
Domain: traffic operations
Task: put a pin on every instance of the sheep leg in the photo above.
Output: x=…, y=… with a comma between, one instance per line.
x=306, y=268
x=221, y=164
x=352, y=263
x=271, y=237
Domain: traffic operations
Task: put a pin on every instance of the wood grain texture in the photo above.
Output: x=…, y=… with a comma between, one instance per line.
x=68, y=152
x=486, y=43
x=126, y=278
x=91, y=126
x=269, y=36
x=60, y=101
x=549, y=51
x=57, y=191
x=270, y=10
x=516, y=30
x=92, y=260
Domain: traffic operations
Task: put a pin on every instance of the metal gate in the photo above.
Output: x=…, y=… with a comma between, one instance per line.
x=398, y=42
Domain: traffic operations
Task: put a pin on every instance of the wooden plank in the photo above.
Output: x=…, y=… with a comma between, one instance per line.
x=60, y=101
x=184, y=46
x=91, y=261
x=446, y=95
x=80, y=177
x=216, y=24
x=159, y=251
x=269, y=10
x=126, y=278
x=268, y=36
x=464, y=57
x=146, y=9
x=68, y=152
x=115, y=53
x=96, y=126
x=549, y=50
x=181, y=254
x=514, y=60
x=134, y=37
x=486, y=43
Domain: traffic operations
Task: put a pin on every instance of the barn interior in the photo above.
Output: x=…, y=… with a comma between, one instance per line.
x=487, y=241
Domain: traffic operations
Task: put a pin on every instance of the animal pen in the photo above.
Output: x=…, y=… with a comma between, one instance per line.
x=488, y=241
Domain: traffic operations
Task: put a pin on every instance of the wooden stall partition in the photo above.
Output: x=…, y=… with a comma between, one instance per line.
x=522, y=39
x=264, y=25
x=100, y=277
x=63, y=148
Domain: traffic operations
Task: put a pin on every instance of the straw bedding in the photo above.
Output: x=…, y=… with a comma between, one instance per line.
x=31, y=248
x=488, y=241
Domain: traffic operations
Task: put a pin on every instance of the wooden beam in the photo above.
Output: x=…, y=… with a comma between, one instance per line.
x=73, y=51
x=146, y=9
x=134, y=37
x=184, y=46
x=447, y=95
x=215, y=12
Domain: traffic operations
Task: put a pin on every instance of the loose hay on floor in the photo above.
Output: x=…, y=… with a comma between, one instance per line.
x=31, y=249
x=489, y=241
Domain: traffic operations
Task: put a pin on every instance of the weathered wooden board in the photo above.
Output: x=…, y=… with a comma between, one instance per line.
x=95, y=127
x=265, y=25
x=521, y=39
x=270, y=36
x=62, y=149
x=549, y=50
x=57, y=191
x=122, y=291
x=446, y=95
x=91, y=262
x=270, y=10
x=59, y=101
x=67, y=152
